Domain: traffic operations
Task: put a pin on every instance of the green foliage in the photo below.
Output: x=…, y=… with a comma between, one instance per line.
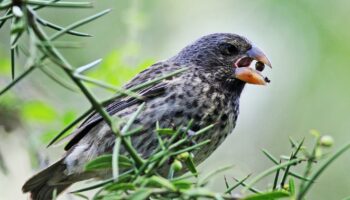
x=144, y=182
x=39, y=111
x=4, y=64
x=269, y=195
x=116, y=70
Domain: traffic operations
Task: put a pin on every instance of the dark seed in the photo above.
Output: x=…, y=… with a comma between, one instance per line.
x=259, y=66
x=267, y=80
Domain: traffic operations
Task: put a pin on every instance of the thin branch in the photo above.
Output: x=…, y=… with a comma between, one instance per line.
x=16, y=80
x=59, y=28
x=271, y=170
x=87, y=66
x=88, y=94
x=109, y=86
x=59, y=4
x=239, y=182
x=78, y=23
x=71, y=125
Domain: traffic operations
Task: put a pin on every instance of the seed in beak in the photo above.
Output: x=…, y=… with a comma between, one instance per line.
x=259, y=66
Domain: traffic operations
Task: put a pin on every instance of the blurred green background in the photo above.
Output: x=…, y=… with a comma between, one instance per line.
x=308, y=43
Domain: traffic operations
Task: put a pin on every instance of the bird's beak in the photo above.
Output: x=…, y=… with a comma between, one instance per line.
x=256, y=54
x=250, y=75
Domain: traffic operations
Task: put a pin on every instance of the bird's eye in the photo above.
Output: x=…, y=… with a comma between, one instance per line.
x=228, y=49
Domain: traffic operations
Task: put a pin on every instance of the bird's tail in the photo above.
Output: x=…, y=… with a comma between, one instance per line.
x=42, y=185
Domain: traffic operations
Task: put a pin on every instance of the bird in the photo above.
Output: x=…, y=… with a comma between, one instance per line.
x=218, y=66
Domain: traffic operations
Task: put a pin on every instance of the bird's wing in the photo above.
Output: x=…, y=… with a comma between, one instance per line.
x=112, y=109
x=122, y=103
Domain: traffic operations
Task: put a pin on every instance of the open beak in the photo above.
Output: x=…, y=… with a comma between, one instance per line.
x=249, y=75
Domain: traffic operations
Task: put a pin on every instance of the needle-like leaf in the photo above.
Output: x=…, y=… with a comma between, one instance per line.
x=63, y=4
x=274, y=160
x=115, y=159
x=13, y=63
x=59, y=28
x=78, y=23
x=331, y=159
x=17, y=79
x=87, y=66
x=71, y=125
x=271, y=170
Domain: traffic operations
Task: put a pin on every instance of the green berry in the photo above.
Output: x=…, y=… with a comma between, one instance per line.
x=326, y=141
x=176, y=165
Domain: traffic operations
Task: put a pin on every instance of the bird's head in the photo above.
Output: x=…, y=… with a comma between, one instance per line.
x=229, y=54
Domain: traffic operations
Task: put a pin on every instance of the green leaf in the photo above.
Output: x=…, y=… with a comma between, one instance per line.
x=195, y=192
x=105, y=162
x=81, y=196
x=78, y=24
x=132, y=119
x=17, y=79
x=274, y=160
x=292, y=142
x=291, y=186
x=268, y=196
x=271, y=170
x=61, y=4
x=165, y=131
x=162, y=182
x=182, y=184
x=239, y=182
x=191, y=166
x=213, y=173
x=120, y=186
x=142, y=193
x=101, y=162
x=124, y=175
x=58, y=28
x=115, y=159
x=124, y=159
x=205, y=129
x=308, y=185
x=69, y=126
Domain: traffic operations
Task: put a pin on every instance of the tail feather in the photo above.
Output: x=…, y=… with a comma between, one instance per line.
x=42, y=185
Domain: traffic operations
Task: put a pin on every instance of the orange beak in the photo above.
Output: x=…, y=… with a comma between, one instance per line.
x=250, y=75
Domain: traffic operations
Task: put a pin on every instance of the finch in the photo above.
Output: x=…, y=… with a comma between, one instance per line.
x=208, y=92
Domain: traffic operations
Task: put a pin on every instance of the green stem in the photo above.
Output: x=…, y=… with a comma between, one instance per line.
x=67, y=68
x=59, y=4
x=269, y=171
x=108, y=86
x=305, y=189
x=274, y=160
x=229, y=190
x=309, y=164
x=71, y=125
x=16, y=80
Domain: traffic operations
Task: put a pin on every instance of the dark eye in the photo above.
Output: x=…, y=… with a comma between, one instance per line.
x=228, y=49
